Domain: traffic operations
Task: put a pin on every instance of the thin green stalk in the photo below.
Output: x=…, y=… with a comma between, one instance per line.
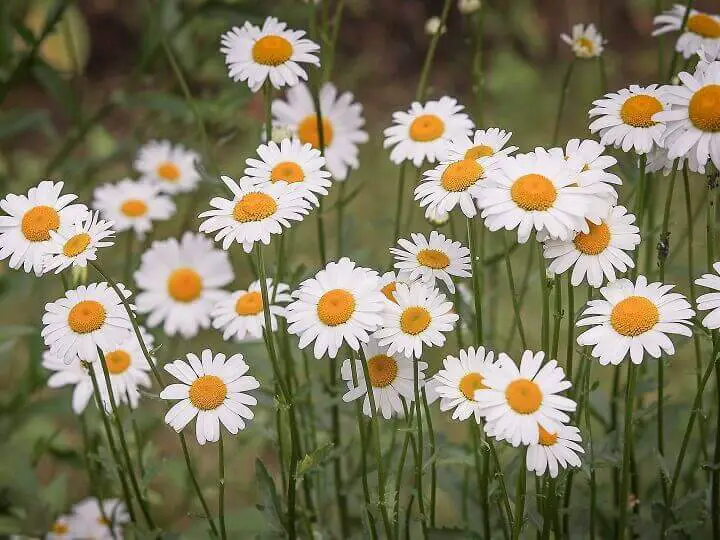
x=563, y=97
x=341, y=219
x=221, y=487
x=429, y=56
x=591, y=454
x=683, y=24
x=500, y=475
x=476, y=256
x=399, y=202
x=321, y=143
x=627, y=445
x=196, y=485
x=127, y=273
x=640, y=208
x=513, y=293
x=570, y=344
x=433, y=449
x=550, y=509
x=477, y=65
x=409, y=413
x=95, y=485
x=555, y=344
x=520, y=490
x=481, y=476
x=542, y=276
x=419, y=453
x=329, y=59
x=457, y=299
x=138, y=440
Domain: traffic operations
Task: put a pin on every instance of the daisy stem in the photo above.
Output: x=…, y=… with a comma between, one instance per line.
x=419, y=452
x=332, y=42
x=500, y=475
x=563, y=96
x=341, y=219
x=627, y=446
x=128, y=257
x=399, y=202
x=401, y=461
x=545, y=328
x=457, y=299
x=520, y=489
x=555, y=345
x=138, y=439
x=570, y=346
x=433, y=457
x=429, y=56
x=196, y=485
x=95, y=485
x=321, y=143
x=481, y=475
x=221, y=487
x=640, y=208
x=476, y=256
x=550, y=509
x=683, y=24
x=588, y=426
x=513, y=292
x=337, y=442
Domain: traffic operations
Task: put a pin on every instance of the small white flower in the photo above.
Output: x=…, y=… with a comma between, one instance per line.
x=76, y=244
x=435, y=217
x=710, y=301
x=172, y=169
x=434, y=25
x=90, y=521
x=585, y=41
x=589, y=159
x=658, y=160
x=466, y=7
x=701, y=30
x=63, y=528
x=484, y=143
x=707, y=55
x=554, y=450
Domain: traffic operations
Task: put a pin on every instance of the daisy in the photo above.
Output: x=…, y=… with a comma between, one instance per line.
x=132, y=205
x=391, y=378
x=63, y=527
x=589, y=159
x=701, y=30
x=456, y=383
x=585, y=41
x=634, y=317
x=171, y=168
x=342, y=303
x=435, y=217
x=90, y=518
x=240, y=315
x=707, y=55
x=73, y=373
x=84, y=319
x=419, y=317
x=424, y=131
x=627, y=118
x=273, y=53
x=297, y=164
x=25, y=231
x=388, y=284
x=213, y=388
x=181, y=282
x=342, y=123
x=483, y=144
x=77, y=243
x=254, y=213
x=466, y=7
x=518, y=402
x=429, y=259
x=599, y=252
x=554, y=450
x=710, y=301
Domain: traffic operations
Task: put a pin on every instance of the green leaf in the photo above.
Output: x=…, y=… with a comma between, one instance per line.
x=270, y=501
x=315, y=459
x=19, y=121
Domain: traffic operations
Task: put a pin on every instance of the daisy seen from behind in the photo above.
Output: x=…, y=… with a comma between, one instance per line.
x=171, y=168
x=585, y=41
x=77, y=244
x=710, y=301
x=701, y=30
x=554, y=450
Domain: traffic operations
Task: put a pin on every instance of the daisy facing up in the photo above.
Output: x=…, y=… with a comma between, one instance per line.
x=485, y=143
x=554, y=450
x=342, y=122
x=424, y=131
x=171, y=168
x=76, y=244
x=634, y=318
x=342, y=303
x=25, y=230
x=701, y=30
x=585, y=41
x=213, y=388
x=710, y=301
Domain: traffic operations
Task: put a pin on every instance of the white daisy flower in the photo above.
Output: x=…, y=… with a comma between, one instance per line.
x=554, y=450
x=420, y=316
x=707, y=55
x=254, y=213
x=297, y=164
x=658, y=160
x=25, y=231
x=240, y=315
x=171, y=168
x=596, y=255
x=424, y=131
x=466, y=7
x=634, y=317
x=589, y=159
x=456, y=383
x=585, y=41
x=180, y=282
x=710, y=301
x=77, y=243
x=434, y=26
x=84, y=319
x=435, y=217
x=391, y=378
x=693, y=123
x=342, y=123
x=213, y=388
x=701, y=30
x=342, y=303
x=90, y=519
x=132, y=205
x=430, y=259
x=484, y=143
x=517, y=402
x=273, y=53
x=64, y=527
x=388, y=284
x=72, y=373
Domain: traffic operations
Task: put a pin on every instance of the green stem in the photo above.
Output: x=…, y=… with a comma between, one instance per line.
x=95, y=484
x=341, y=219
x=337, y=441
x=409, y=413
x=419, y=452
x=570, y=345
x=520, y=489
x=481, y=475
x=477, y=64
x=429, y=56
x=542, y=276
x=221, y=487
x=627, y=445
x=399, y=202
x=640, y=209
x=558, y=317
x=476, y=257
x=683, y=24
x=500, y=475
x=591, y=453
x=550, y=509
x=321, y=143
x=513, y=292
x=433, y=465
x=196, y=485
x=563, y=97
x=138, y=440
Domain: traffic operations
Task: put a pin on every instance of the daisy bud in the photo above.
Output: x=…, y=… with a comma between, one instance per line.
x=280, y=132
x=436, y=218
x=467, y=7
x=79, y=275
x=434, y=26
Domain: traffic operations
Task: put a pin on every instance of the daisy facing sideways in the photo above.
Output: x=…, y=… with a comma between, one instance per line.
x=634, y=318
x=213, y=389
x=710, y=301
x=483, y=143
x=701, y=29
x=76, y=244
x=585, y=41
x=554, y=450
x=93, y=518
x=171, y=168
x=25, y=230
x=591, y=163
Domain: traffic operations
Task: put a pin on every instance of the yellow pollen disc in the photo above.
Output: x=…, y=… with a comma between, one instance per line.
x=134, y=208
x=336, y=307
x=86, y=316
x=254, y=206
x=585, y=44
x=272, y=50
x=414, y=320
x=287, y=171
x=471, y=382
x=547, y=438
x=38, y=222
x=594, y=242
x=427, y=127
x=433, y=258
x=59, y=528
x=704, y=25
x=208, y=392
x=389, y=291
x=76, y=245
x=103, y=521
x=634, y=316
x=704, y=108
x=477, y=152
x=168, y=171
x=459, y=176
x=308, y=132
x=184, y=284
x=523, y=396
x=382, y=370
x=249, y=303
x=637, y=111
x=533, y=192
x=117, y=361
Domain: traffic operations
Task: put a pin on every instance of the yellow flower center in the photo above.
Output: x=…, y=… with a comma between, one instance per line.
x=287, y=171
x=547, y=438
x=168, y=171
x=637, y=111
x=471, y=382
x=433, y=258
x=249, y=303
x=272, y=50
x=308, y=131
x=594, y=242
x=585, y=44
x=184, y=284
x=254, y=206
x=704, y=25
x=382, y=370
x=389, y=291
x=427, y=127
x=59, y=528
x=533, y=192
x=117, y=361
x=480, y=151
x=86, y=316
x=414, y=320
x=459, y=176
x=704, y=108
x=208, y=392
x=634, y=316
x=335, y=307
x=134, y=208
x=523, y=396
x=76, y=245
x=38, y=222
